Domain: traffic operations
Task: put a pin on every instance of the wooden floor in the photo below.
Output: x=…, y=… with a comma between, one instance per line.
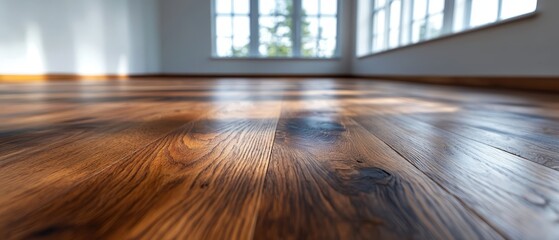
x=276, y=159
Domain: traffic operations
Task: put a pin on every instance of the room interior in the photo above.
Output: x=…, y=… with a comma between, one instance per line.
x=279, y=119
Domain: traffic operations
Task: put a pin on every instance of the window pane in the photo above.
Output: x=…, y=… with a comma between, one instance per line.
x=380, y=22
x=419, y=9
x=513, y=8
x=327, y=48
x=484, y=12
x=275, y=7
x=380, y=4
x=459, y=15
x=329, y=7
x=394, y=38
x=223, y=6
x=309, y=48
x=241, y=47
x=318, y=36
x=328, y=27
x=310, y=27
x=276, y=31
x=435, y=26
x=241, y=6
x=241, y=27
x=419, y=31
x=379, y=30
x=223, y=47
x=223, y=26
x=395, y=9
x=436, y=6
x=310, y=7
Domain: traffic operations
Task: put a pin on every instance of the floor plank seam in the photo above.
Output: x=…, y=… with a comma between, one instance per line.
x=486, y=144
x=258, y=202
x=498, y=231
x=163, y=136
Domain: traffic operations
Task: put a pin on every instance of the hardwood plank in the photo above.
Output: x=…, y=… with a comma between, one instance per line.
x=202, y=181
x=528, y=138
x=331, y=179
x=62, y=151
x=186, y=158
x=488, y=180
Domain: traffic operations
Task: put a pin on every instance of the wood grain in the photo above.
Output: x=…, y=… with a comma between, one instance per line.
x=326, y=170
x=216, y=163
x=276, y=158
x=488, y=180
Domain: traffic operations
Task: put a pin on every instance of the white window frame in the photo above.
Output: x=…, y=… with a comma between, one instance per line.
x=407, y=20
x=254, y=43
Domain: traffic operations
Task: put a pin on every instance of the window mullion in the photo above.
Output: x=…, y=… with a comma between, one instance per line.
x=500, y=10
x=467, y=14
x=254, y=29
x=387, y=11
x=448, y=16
x=410, y=21
x=401, y=27
x=372, y=26
x=297, y=28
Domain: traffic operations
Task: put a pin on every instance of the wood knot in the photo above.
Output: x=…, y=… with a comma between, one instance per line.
x=364, y=180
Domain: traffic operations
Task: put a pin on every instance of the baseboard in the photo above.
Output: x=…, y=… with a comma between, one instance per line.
x=546, y=84
x=235, y=75
x=66, y=77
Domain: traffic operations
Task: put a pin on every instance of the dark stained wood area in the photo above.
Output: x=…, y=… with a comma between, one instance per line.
x=273, y=158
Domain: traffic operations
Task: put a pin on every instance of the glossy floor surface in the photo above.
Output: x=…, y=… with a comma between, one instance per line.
x=276, y=159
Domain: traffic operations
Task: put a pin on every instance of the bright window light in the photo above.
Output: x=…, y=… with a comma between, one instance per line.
x=276, y=28
x=397, y=23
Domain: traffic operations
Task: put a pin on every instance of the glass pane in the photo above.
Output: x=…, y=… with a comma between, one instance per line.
x=394, y=38
x=484, y=12
x=436, y=6
x=310, y=7
x=329, y=7
x=328, y=27
x=435, y=26
x=419, y=9
x=275, y=36
x=378, y=43
x=327, y=48
x=241, y=27
x=379, y=22
x=380, y=4
x=223, y=6
x=241, y=6
x=223, y=26
x=241, y=47
x=310, y=47
x=310, y=27
x=223, y=47
x=395, y=9
x=275, y=7
x=419, y=31
x=277, y=47
x=513, y=8
x=379, y=30
x=459, y=15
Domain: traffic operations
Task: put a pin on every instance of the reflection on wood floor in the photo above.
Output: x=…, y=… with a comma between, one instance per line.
x=276, y=159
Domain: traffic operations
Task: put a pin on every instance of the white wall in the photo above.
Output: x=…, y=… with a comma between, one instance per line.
x=78, y=36
x=185, y=30
x=529, y=47
x=174, y=37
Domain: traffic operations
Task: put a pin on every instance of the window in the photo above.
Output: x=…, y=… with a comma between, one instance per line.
x=393, y=23
x=276, y=28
